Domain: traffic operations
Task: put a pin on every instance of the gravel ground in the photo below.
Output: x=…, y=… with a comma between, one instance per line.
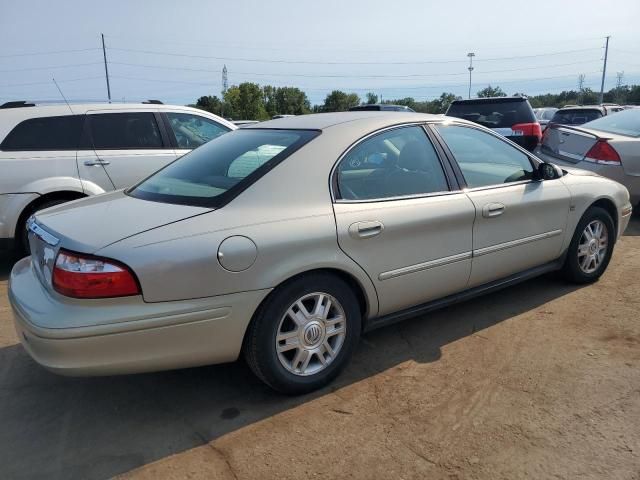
x=541, y=380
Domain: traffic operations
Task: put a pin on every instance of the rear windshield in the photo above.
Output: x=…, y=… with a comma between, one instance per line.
x=499, y=114
x=626, y=122
x=211, y=175
x=575, y=117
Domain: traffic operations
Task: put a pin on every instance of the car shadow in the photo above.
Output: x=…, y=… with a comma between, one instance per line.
x=93, y=428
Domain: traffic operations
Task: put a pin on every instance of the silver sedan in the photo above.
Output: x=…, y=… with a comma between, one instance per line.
x=286, y=240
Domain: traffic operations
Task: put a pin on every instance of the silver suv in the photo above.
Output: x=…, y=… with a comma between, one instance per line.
x=56, y=153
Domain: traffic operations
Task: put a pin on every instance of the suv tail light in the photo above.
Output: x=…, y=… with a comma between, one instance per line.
x=83, y=276
x=529, y=129
x=602, y=152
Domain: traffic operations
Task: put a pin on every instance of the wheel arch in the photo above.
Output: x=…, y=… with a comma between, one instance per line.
x=610, y=207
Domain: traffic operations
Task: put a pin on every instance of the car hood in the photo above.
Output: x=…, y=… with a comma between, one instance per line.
x=89, y=224
x=579, y=172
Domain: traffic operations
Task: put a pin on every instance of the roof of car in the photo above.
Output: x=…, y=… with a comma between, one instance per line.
x=321, y=121
x=491, y=100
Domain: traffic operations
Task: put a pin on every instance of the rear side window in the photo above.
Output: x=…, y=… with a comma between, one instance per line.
x=498, y=114
x=191, y=131
x=45, y=133
x=135, y=130
x=396, y=163
x=213, y=174
x=575, y=117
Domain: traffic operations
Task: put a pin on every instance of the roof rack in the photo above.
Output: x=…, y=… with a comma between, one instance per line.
x=17, y=104
x=154, y=102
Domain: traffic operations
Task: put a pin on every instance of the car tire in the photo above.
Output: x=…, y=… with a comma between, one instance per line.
x=304, y=334
x=591, y=247
x=22, y=239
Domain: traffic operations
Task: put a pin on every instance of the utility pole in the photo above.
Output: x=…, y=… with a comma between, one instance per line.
x=619, y=80
x=470, y=68
x=106, y=69
x=604, y=68
x=581, y=78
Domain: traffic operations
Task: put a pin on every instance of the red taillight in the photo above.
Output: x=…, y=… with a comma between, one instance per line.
x=602, y=152
x=82, y=276
x=529, y=129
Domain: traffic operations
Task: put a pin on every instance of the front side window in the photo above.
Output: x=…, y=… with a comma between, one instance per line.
x=191, y=131
x=485, y=159
x=45, y=133
x=395, y=163
x=211, y=175
x=135, y=130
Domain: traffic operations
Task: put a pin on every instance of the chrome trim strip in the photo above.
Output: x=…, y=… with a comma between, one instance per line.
x=42, y=233
x=424, y=266
x=515, y=243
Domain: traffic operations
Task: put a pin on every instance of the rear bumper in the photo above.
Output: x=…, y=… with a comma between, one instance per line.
x=613, y=172
x=110, y=337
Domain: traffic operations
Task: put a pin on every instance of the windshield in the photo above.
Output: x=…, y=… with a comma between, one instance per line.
x=213, y=174
x=498, y=114
x=575, y=117
x=626, y=122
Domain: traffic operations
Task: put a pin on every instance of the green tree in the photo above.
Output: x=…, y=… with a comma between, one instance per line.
x=490, y=91
x=339, y=101
x=291, y=101
x=211, y=104
x=245, y=102
x=371, y=98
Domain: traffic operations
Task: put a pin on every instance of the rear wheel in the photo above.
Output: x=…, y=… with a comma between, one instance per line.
x=591, y=247
x=304, y=334
x=22, y=239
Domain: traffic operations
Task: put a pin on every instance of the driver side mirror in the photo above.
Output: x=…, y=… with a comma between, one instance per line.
x=547, y=171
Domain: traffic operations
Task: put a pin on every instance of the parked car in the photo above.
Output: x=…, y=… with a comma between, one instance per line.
x=612, y=108
x=275, y=117
x=381, y=107
x=609, y=146
x=544, y=116
x=577, y=115
x=56, y=153
x=512, y=117
x=244, y=123
x=267, y=241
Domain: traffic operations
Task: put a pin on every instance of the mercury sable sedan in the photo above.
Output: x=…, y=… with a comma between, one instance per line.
x=286, y=240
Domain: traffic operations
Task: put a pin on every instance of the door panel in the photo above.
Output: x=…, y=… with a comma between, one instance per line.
x=91, y=170
x=414, y=250
x=517, y=227
x=128, y=144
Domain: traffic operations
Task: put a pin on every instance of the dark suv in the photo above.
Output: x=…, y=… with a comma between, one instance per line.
x=386, y=107
x=512, y=117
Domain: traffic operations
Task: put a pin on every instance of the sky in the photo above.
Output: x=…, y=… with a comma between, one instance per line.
x=175, y=50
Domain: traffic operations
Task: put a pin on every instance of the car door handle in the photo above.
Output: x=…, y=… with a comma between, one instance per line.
x=493, y=210
x=92, y=163
x=366, y=229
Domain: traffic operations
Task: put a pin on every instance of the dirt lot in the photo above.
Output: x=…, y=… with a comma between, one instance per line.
x=541, y=380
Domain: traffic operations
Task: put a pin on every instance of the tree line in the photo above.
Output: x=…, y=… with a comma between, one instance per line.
x=250, y=101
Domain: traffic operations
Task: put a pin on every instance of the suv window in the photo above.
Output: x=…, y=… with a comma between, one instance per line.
x=394, y=163
x=135, y=130
x=483, y=158
x=211, y=175
x=191, y=131
x=45, y=133
x=493, y=113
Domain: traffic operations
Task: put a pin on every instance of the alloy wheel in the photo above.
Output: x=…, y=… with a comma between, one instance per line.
x=311, y=334
x=593, y=246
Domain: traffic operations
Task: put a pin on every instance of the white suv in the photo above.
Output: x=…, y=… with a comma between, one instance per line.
x=57, y=153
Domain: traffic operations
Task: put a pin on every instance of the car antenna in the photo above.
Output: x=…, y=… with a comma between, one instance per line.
x=65, y=98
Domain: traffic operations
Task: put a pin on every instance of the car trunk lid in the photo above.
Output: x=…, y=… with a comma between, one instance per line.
x=567, y=143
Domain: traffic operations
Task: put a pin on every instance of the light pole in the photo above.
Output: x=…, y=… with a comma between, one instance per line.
x=470, y=68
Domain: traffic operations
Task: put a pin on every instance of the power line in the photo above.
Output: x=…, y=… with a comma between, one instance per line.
x=51, y=67
x=168, y=67
x=306, y=62
x=51, y=52
x=48, y=82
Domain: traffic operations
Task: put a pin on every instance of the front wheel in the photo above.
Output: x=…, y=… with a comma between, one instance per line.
x=591, y=247
x=304, y=334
